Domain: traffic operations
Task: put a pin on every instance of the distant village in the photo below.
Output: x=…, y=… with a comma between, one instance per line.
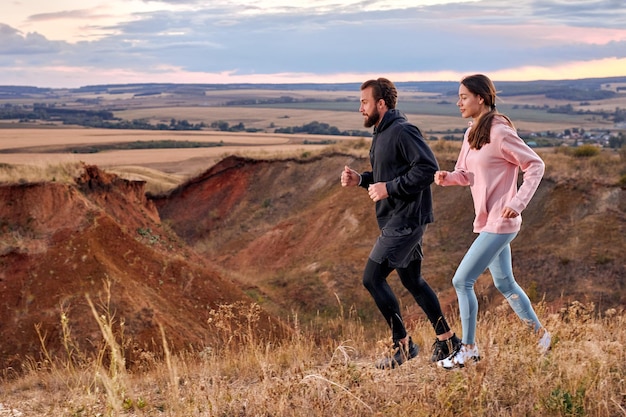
x=606, y=138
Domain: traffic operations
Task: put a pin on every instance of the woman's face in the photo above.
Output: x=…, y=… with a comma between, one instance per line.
x=470, y=104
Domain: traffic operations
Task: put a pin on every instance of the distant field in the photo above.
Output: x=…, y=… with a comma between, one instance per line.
x=266, y=119
x=176, y=161
x=435, y=114
x=45, y=146
x=430, y=117
x=41, y=137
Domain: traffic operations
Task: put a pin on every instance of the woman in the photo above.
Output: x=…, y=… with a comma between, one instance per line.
x=491, y=156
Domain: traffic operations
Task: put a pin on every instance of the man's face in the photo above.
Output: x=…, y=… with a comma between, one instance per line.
x=369, y=108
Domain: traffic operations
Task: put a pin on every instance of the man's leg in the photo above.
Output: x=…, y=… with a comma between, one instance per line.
x=412, y=279
x=447, y=341
x=375, y=280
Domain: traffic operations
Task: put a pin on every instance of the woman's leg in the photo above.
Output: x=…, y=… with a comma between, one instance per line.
x=479, y=256
x=375, y=280
x=412, y=279
x=502, y=272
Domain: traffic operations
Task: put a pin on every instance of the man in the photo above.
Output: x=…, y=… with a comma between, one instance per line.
x=403, y=168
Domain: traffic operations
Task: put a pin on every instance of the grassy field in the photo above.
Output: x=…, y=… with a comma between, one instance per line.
x=327, y=369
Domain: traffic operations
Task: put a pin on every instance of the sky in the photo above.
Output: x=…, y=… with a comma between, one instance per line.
x=74, y=43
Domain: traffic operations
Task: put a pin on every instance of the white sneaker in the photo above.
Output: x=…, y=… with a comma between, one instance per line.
x=460, y=357
x=545, y=343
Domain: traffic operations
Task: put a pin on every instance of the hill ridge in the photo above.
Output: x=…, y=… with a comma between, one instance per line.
x=62, y=242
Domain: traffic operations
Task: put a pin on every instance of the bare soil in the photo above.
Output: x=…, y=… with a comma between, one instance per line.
x=62, y=243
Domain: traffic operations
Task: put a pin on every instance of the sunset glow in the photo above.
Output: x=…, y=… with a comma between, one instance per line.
x=71, y=43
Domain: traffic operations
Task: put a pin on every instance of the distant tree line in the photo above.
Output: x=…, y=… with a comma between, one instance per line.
x=572, y=90
x=577, y=94
x=317, y=128
x=224, y=126
x=313, y=128
x=150, y=144
x=279, y=100
x=254, y=101
x=617, y=116
x=45, y=112
x=90, y=118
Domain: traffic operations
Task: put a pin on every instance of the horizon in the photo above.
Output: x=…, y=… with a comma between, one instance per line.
x=256, y=85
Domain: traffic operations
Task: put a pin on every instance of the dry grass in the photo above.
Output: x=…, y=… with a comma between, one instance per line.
x=605, y=167
x=326, y=369
x=36, y=172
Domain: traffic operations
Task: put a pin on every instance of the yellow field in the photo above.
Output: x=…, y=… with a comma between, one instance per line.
x=22, y=138
x=47, y=146
x=265, y=119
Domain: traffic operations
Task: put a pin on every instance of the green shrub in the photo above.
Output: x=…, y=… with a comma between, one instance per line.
x=585, y=151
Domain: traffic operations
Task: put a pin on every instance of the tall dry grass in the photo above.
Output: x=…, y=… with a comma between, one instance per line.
x=36, y=172
x=586, y=163
x=325, y=368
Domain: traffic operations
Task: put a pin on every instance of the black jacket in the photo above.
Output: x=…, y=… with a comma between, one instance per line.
x=401, y=158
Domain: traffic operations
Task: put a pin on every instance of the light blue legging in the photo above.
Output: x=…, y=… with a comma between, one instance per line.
x=493, y=251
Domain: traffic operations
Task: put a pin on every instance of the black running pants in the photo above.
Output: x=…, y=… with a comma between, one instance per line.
x=375, y=280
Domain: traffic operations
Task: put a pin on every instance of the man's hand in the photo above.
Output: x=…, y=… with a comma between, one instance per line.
x=349, y=177
x=378, y=191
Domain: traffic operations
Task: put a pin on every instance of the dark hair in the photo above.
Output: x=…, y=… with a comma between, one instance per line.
x=384, y=89
x=482, y=86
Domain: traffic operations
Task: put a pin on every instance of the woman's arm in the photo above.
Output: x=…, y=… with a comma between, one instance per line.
x=517, y=152
x=460, y=175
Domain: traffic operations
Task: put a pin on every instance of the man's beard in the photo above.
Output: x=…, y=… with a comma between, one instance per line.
x=372, y=119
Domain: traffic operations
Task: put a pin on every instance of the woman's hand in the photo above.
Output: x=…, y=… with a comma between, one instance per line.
x=509, y=213
x=440, y=176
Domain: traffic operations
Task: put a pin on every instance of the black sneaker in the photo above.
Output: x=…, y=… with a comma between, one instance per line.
x=403, y=353
x=443, y=348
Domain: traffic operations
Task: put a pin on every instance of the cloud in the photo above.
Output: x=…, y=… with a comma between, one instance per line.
x=383, y=41
x=257, y=38
x=66, y=14
x=584, y=13
x=14, y=43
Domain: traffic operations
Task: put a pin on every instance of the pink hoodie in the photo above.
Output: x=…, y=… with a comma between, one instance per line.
x=492, y=174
